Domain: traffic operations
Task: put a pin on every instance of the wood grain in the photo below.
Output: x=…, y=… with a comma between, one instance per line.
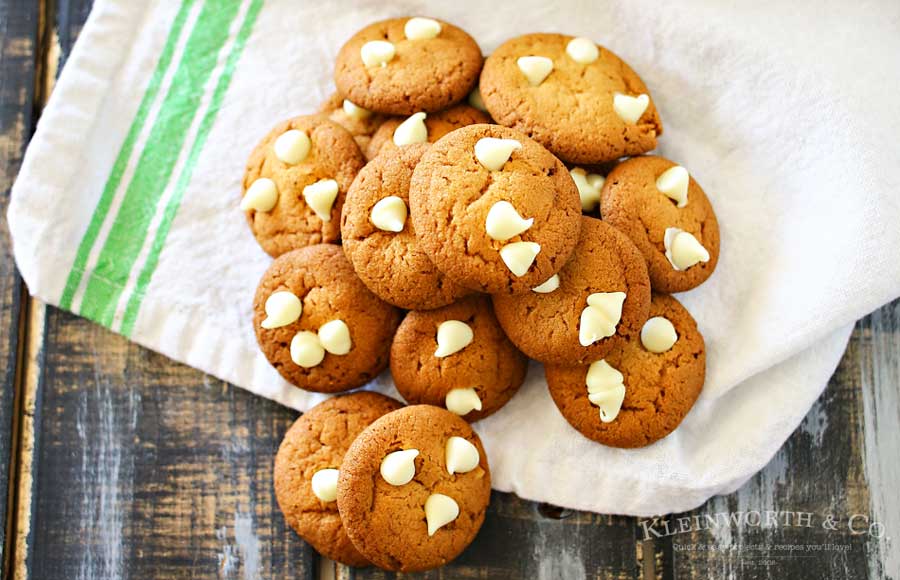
x=18, y=39
x=131, y=465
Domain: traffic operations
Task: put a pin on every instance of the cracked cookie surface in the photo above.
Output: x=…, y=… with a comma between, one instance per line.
x=423, y=75
x=387, y=523
x=632, y=203
x=490, y=365
x=292, y=223
x=660, y=389
x=546, y=326
x=318, y=440
x=451, y=194
x=571, y=112
x=328, y=288
x=392, y=264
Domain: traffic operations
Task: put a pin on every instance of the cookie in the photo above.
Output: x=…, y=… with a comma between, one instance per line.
x=494, y=210
x=669, y=218
x=457, y=357
x=295, y=183
x=576, y=98
x=306, y=467
x=318, y=324
x=379, y=239
x=436, y=126
x=599, y=301
x=419, y=508
x=404, y=65
x=640, y=393
x=361, y=123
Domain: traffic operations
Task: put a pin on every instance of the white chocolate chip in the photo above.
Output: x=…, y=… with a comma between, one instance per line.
x=320, y=197
x=519, y=256
x=292, y=146
x=476, y=101
x=412, y=130
x=399, y=467
x=324, y=484
x=493, y=153
x=582, y=50
x=462, y=401
x=504, y=222
x=674, y=184
x=600, y=317
x=334, y=336
x=261, y=195
x=452, y=337
x=461, y=455
x=606, y=389
x=354, y=111
x=629, y=108
x=282, y=308
x=377, y=53
x=421, y=28
x=389, y=214
x=535, y=68
x=658, y=334
x=306, y=350
x=440, y=510
x=551, y=284
x=589, y=186
x=683, y=250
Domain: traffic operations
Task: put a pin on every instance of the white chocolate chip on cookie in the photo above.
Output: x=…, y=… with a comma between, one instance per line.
x=629, y=108
x=600, y=317
x=306, y=350
x=493, y=153
x=519, y=256
x=535, y=68
x=683, y=250
x=504, y=222
x=412, y=130
x=421, y=28
x=582, y=50
x=261, y=195
x=462, y=401
x=320, y=197
x=334, y=336
x=292, y=146
x=674, y=184
x=282, y=308
x=398, y=468
x=377, y=53
x=658, y=334
x=389, y=214
x=589, y=186
x=461, y=456
x=452, y=337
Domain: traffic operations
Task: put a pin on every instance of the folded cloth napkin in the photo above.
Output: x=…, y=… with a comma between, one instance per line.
x=126, y=208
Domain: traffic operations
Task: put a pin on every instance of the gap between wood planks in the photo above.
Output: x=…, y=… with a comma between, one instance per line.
x=30, y=336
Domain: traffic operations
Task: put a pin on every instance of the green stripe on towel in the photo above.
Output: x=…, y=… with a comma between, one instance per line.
x=118, y=169
x=157, y=161
x=137, y=296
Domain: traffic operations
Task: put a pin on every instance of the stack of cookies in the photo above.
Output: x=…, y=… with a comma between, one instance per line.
x=451, y=217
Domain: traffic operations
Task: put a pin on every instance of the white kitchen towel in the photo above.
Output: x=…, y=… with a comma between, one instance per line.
x=126, y=208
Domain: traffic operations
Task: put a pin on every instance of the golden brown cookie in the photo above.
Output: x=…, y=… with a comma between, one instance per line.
x=494, y=210
x=474, y=381
x=570, y=106
x=436, y=126
x=389, y=261
x=318, y=324
x=295, y=183
x=675, y=228
x=361, y=123
x=639, y=395
x=434, y=507
x=317, y=442
x=581, y=315
x=415, y=64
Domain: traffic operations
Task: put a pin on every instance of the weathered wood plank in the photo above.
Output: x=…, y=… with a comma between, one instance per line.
x=18, y=35
x=150, y=469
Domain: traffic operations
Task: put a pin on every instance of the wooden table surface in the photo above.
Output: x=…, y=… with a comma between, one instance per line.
x=117, y=462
